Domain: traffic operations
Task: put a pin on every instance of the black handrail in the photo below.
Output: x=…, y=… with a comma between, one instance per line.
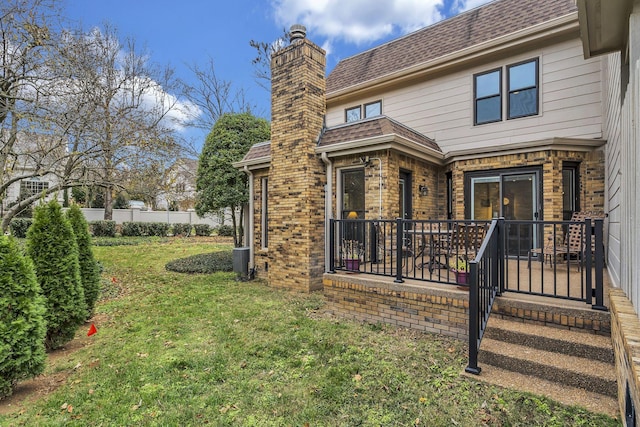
x=484, y=285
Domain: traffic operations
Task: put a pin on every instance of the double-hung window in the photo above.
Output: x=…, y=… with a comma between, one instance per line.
x=521, y=86
x=488, y=97
x=523, y=89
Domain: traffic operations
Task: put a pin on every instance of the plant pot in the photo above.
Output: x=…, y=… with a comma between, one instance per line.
x=462, y=277
x=352, y=264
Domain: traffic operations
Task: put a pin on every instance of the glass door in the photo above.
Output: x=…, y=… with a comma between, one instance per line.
x=519, y=203
x=513, y=196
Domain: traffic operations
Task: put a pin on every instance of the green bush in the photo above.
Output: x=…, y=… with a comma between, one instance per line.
x=183, y=230
x=127, y=241
x=52, y=246
x=225, y=230
x=203, y=263
x=134, y=228
x=19, y=227
x=89, y=273
x=159, y=229
x=103, y=228
x=22, y=327
x=202, y=229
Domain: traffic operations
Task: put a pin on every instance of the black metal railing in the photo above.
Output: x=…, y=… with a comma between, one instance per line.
x=486, y=282
x=559, y=259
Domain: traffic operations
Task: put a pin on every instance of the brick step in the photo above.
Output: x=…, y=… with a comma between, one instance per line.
x=573, y=343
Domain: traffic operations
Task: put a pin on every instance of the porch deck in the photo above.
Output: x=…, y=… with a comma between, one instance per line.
x=436, y=307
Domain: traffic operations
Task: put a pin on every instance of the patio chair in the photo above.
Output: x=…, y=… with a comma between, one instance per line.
x=573, y=244
x=464, y=242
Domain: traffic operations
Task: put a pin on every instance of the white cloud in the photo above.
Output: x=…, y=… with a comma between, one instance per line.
x=365, y=21
x=357, y=21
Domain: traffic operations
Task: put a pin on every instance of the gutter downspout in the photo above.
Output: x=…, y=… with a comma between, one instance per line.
x=250, y=240
x=328, y=207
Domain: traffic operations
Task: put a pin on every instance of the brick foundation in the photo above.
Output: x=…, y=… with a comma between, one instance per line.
x=625, y=334
x=442, y=310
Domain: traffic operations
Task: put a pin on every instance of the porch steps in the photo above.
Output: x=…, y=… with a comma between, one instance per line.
x=575, y=368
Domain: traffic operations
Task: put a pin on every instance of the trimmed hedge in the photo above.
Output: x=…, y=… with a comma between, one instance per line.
x=22, y=325
x=159, y=229
x=52, y=246
x=19, y=227
x=203, y=263
x=183, y=230
x=89, y=272
x=202, y=229
x=137, y=228
x=103, y=228
x=225, y=230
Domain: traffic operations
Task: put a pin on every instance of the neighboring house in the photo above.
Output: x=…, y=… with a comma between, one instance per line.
x=29, y=155
x=497, y=112
x=180, y=182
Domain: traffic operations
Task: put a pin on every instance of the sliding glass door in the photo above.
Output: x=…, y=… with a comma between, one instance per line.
x=511, y=194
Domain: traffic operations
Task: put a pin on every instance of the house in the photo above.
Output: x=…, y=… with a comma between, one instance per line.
x=180, y=184
x=508, y=110
x=30, y=156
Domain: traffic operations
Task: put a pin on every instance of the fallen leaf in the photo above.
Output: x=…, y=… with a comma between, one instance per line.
x=78, y=366
x=69, y=409
x=357, y=377
x=143, y=355
x=64, y=405
x=91, y=391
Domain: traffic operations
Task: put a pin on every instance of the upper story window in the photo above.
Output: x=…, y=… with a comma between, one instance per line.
x=371, y=109
x=488, y=97
x=353, y=114
x=522, y=88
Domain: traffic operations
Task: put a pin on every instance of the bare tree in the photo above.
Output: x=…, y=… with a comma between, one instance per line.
x=126, y=114
x=262, y=62
x=211, y=97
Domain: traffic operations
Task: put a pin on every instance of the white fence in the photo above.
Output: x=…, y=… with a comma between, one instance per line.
x=137, y=215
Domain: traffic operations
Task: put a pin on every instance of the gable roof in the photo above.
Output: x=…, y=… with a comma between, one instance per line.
x=371, y=128
x=493, y=20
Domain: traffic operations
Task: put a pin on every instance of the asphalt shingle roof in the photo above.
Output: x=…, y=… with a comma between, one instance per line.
x=482, y=24
x=378, y=126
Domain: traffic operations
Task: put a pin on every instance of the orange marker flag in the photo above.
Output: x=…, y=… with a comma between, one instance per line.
x=92, y=330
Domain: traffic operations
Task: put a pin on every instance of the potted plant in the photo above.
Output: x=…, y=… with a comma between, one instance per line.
x=460, y=266
x=352, y=251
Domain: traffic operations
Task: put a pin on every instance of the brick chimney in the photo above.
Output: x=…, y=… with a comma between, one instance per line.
x=296, y=176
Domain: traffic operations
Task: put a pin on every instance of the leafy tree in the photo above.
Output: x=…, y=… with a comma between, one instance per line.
x=219, y=184
x=22, y=326
x=52, y=246
x=89, y=271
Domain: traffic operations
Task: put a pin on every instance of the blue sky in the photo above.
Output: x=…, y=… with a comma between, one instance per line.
x=179, y=33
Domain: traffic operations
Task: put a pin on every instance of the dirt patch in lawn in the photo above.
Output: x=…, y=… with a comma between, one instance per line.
x=42, y=385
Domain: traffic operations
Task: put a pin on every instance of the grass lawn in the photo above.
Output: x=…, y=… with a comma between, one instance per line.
x=187, y=350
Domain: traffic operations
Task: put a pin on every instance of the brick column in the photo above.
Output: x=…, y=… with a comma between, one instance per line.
x=296, y=176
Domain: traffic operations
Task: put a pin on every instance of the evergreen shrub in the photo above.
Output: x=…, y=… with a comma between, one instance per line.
x=159, y=229
x=52, y=246
x=202, y=229
x=183, y=230
x=203, y=263
x=89, y=270
x=225, y=230
x=22, y=325
x=103, y=228
x=19, y=227
x=135, y=228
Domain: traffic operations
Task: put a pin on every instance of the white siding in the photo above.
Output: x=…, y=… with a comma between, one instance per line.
x=611, y=127
x=442, y=108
